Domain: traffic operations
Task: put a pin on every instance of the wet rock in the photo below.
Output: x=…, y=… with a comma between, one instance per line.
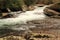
x=40, y=5
x=10, y=14
x=6, y=15
x=53, y=10
x=15, y=9
x=31, y=7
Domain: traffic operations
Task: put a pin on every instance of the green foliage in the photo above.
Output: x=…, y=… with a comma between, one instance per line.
x=30, y=2
x=15, y=4
x=11, y=3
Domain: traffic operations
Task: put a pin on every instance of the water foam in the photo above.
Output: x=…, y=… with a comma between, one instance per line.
x=36, y=14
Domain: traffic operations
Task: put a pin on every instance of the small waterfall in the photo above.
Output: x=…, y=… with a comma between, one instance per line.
x=36, y=14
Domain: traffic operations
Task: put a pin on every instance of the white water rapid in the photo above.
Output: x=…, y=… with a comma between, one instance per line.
x=36, y=14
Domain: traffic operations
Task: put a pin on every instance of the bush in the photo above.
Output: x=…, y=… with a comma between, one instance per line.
x=30, y=2
x=4, y=4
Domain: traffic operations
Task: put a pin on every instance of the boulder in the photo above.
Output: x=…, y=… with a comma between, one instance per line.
x=53, y=10
x=6, y=15
x=31, y=7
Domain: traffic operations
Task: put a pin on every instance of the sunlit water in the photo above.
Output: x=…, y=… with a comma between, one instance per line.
x=36, y=14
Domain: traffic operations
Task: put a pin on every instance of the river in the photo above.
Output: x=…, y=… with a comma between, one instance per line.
x=23, y=18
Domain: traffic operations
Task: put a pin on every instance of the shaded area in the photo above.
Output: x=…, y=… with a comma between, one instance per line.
x=40, y=36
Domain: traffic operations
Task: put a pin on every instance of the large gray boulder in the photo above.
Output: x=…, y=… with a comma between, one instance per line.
x=53, y=10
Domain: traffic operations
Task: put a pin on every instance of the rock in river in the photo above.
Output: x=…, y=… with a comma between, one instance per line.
x=53, y=10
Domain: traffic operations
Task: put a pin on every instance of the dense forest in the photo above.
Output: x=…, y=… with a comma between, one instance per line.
x=15, y=4
x=21, y=4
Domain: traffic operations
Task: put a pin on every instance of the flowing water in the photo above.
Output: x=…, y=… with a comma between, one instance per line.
x=36, y=14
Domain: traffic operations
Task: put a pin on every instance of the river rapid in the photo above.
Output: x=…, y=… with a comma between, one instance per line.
x=18, y=22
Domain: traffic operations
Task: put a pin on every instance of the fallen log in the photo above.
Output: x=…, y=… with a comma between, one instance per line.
x=53, y=10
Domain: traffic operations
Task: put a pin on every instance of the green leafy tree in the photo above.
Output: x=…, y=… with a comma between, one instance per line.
x=30, y=2
x=11, y=4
